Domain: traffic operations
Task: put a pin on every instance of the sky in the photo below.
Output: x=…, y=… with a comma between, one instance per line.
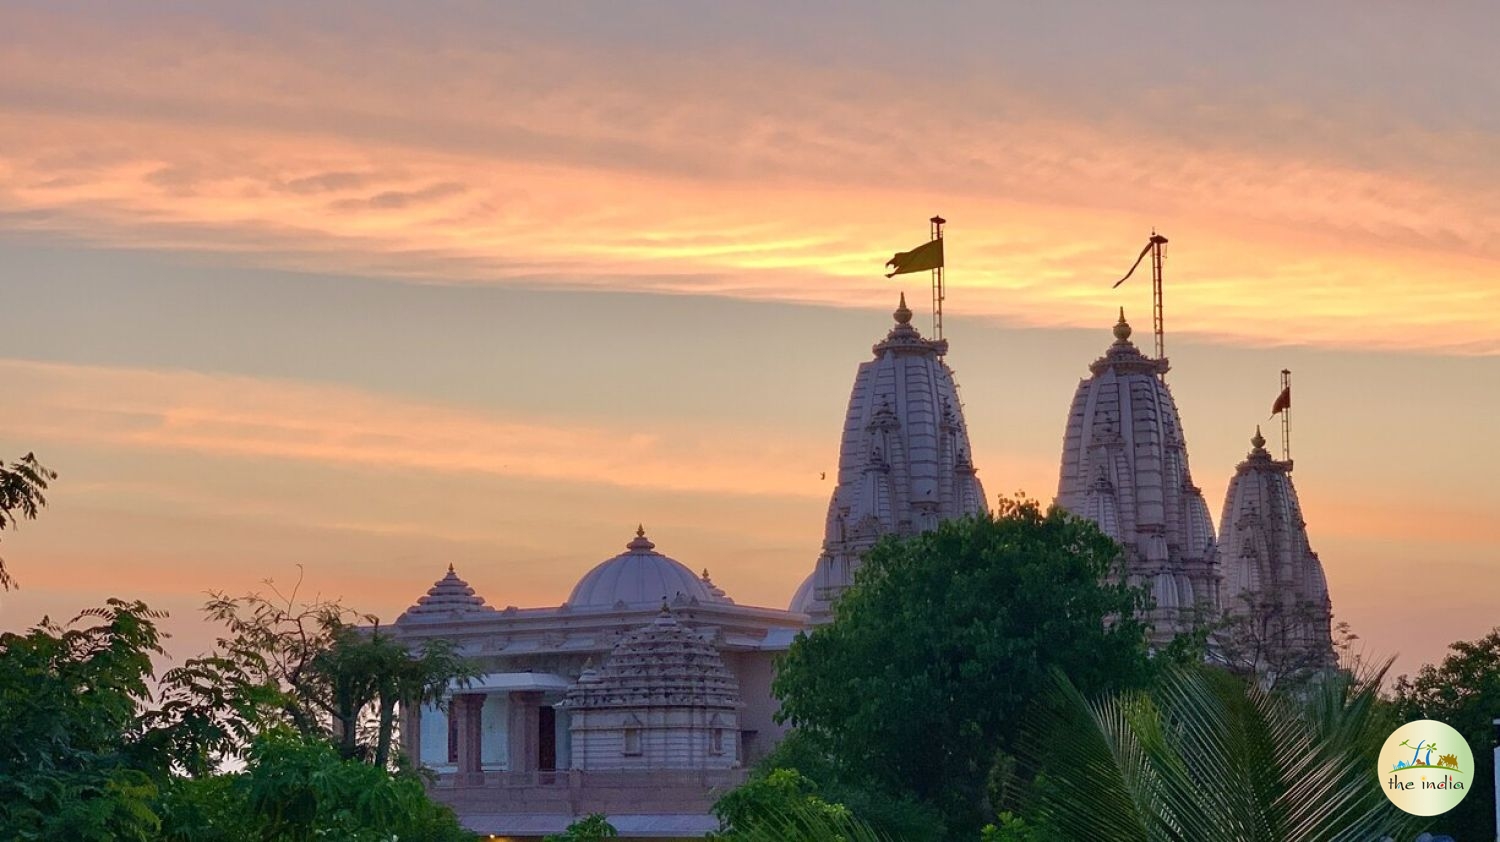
x=345, y=294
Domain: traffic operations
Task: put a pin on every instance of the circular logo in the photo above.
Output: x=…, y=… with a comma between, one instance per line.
x=1425, y=767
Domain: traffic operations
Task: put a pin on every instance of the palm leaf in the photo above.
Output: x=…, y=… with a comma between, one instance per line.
x=1203, y=755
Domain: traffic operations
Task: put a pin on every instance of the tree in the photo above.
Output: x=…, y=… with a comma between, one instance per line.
x=1463, y=691
x=1276, y=642
x=919, y=683
x=591, y=828
x=22, y=484
x=86, y=755
x=332, y=670
x=70, y=696
x=1206, y=755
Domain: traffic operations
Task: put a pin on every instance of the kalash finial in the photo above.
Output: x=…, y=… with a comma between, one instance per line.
x=903, y=313
x=640, y=530
x=1258, y=441
x=1122, y=328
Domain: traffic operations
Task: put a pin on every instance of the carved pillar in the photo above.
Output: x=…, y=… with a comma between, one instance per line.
x=467, y=710
x=522, y=730
x=411, y=731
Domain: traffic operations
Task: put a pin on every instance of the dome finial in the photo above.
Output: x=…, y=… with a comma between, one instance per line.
x=903, y=313
x=450, y=567
x=1122, y=328
x=640, y=543
x=1258, y=441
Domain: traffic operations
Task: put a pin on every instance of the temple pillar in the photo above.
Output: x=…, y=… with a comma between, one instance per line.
x=467, y=712
x=411, y=731
x=525, y=748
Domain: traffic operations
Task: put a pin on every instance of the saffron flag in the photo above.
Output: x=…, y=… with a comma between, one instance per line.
x=1283, y=401
x=928, y=255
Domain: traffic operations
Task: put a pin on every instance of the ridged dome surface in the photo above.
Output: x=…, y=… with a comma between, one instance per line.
x=449, y=598
x=905, y=463
x=1268, y=567
x=640, y=576
x=1125, y=466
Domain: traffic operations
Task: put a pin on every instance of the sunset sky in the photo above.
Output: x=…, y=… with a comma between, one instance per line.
x=376, y=287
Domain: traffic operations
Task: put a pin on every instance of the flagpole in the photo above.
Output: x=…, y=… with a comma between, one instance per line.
x=938, y=293
x=1157, y=241
x=1286, y=417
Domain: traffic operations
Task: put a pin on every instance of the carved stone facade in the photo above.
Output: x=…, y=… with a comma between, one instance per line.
x=1125, y=466
x=644, y=696
x=663, y=699
x=905, y=462
x=1273, y=583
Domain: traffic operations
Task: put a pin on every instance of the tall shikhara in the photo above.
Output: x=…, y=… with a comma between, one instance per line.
x=1125, y=466
x=904, y=462
x=1274, y=590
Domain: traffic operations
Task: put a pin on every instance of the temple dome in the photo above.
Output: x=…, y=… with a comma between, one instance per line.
x=450, y=598
x=804, y=600
x=1125, y=466
x=640, y=576
x=905, y=463
x=1268, y=567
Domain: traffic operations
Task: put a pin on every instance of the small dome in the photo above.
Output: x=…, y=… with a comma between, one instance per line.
x=639, y=576
x=449, y=597
x=804, y=600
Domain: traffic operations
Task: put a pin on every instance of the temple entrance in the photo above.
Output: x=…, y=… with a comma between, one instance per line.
x=546, y=726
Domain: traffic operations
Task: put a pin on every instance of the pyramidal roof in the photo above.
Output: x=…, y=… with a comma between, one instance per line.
x=1125, y=466
x=905, y=463
x=450, y=598
x=663, y=664
x=1268, y=567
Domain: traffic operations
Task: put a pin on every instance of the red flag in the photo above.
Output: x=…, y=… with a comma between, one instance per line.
x=1283, y=401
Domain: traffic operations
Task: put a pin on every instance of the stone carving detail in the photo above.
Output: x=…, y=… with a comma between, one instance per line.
x=663, y=699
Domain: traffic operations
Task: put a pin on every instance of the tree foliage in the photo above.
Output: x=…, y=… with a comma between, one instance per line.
x=919, y=683
x=1204, y=754
x=332, y=671
x=87, y=753
x=23, y=484
x=1463, y=691
x=594, y=827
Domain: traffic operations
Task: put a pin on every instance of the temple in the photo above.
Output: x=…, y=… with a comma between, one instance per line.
x=646, y=694
x=1274, y=591
x=905, y=463
x=643, y=697
x=1125, y=466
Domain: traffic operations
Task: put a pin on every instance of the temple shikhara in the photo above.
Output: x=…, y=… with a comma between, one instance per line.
x=645, y=693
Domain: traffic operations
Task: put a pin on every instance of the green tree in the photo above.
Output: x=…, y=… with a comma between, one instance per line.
x=590, y=828
x=70, y=697
x=1205, y=754
x=86, y=753
x=1463, y=691
x=332, y=671
x=22, y=487
x=919, y=684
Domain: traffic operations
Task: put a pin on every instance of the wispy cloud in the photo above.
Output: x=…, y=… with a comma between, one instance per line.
x=749, y=174
x=257, y=418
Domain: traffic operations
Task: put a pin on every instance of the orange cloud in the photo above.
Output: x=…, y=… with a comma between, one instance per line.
x=544, y=164
x=256, y=418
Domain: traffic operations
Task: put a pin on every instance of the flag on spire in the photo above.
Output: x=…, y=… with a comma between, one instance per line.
x=1283, y=401
x=928, y=255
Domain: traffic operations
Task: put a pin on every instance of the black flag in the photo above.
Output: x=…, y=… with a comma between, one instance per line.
x=1155, y=238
